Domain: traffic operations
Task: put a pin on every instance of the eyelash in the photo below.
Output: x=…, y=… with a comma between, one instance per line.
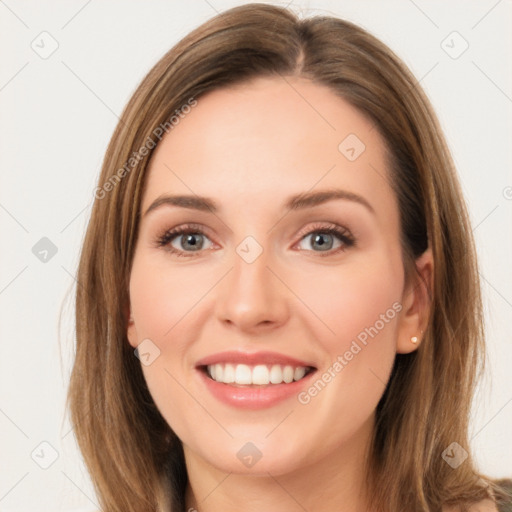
x=343, y=235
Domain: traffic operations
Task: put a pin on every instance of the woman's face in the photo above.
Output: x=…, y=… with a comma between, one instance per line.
x=306, y=321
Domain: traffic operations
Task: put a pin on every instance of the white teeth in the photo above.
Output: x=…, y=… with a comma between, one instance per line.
x=288, y=374
x=219, y=371
x=243, y=374
x=299, y=373
x=259, y=375
x=229, y=374
x=276, y=374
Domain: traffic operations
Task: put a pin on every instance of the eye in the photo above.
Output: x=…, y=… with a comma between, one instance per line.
x=322, y=238
x=189, y=236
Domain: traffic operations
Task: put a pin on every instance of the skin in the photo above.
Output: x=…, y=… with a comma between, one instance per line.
x=249, y=148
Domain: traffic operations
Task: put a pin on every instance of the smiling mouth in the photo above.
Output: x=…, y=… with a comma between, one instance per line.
x=243, y=375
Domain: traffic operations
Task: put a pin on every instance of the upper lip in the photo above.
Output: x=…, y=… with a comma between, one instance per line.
x=251, y=359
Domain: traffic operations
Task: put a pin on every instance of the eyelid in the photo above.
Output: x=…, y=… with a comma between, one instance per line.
x=341, y=232
x=164, y=240
x=323, y=226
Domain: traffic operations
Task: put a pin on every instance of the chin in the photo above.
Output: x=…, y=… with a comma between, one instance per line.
x=257, y=458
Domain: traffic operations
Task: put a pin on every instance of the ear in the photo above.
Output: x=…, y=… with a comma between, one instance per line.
x=416, y=304
x=131, y=331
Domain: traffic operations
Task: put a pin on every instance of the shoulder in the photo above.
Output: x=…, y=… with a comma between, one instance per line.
x=481, y=506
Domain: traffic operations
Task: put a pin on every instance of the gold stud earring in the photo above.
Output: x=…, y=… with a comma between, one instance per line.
x=414, y=339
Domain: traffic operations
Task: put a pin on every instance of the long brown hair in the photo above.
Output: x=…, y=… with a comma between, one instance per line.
x=135, y=460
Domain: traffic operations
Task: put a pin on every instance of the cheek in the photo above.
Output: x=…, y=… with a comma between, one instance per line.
x=164, y=302
x=350, y=301
x=171, y=307
x=358, y=311
x=333, y=307
x=359, y=308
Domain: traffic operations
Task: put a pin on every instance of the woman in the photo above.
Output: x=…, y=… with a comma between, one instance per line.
x=252, y=370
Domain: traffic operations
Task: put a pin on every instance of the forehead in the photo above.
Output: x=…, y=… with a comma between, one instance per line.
x=267, y=139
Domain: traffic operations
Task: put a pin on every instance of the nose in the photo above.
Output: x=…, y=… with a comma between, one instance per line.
x=253, y=296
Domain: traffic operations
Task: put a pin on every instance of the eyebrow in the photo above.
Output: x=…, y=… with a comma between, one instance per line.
x=296, y=202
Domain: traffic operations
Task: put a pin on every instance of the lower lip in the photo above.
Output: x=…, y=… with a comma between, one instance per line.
x=253, y=397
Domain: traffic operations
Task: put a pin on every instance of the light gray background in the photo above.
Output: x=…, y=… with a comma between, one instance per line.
x=57, y=115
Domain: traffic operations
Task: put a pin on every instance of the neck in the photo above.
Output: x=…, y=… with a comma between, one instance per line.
x=332, y=484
